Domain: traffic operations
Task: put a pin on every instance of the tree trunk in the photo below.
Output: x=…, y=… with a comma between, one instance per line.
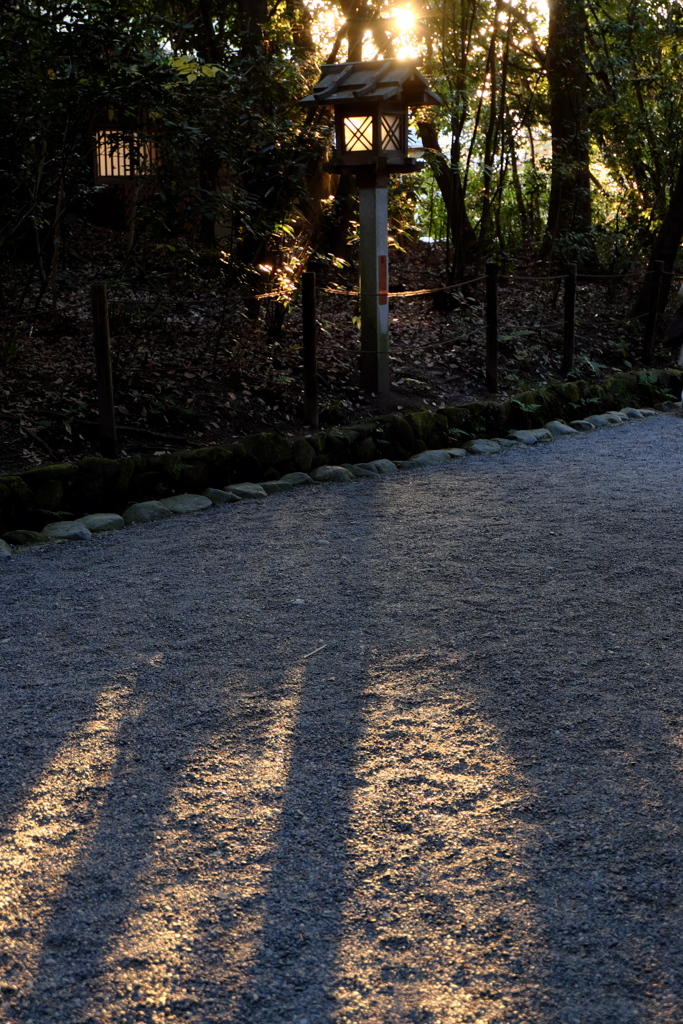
x=569, y=210
x=252, y=15
x=665, y=248
x=450, y=185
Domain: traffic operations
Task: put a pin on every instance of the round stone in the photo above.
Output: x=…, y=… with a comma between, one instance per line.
x=146, y=512
x=435, y=457
x=66, y=531
x=219, y=497
x=297, y=479
x=331, y=475
x=523, y=436
x=483, y=446
x=276, y=486
x=246, y=490
x=601, y=420
x=102, y=522
x=181, y=504
x=21, y=537
x=559, y=429
x=385, y=467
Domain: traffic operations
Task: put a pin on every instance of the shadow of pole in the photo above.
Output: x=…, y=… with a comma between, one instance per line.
x=291, y=978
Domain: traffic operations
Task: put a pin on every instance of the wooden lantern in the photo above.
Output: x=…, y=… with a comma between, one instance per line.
x=371, y=100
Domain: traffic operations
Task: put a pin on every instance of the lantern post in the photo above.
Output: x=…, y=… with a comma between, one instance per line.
x=370, y=101
x=374, y=281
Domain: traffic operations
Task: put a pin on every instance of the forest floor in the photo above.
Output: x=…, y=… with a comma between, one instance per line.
x=191, y=368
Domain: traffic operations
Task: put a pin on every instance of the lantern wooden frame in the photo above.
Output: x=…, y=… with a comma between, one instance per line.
x=377, y=95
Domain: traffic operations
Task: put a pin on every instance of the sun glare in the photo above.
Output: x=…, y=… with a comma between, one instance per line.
x=404, y=19
x=403, y=23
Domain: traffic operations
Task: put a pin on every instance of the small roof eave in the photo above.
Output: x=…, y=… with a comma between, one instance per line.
x=372, y=80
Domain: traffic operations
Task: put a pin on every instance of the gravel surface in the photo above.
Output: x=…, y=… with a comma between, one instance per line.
x=466, y=806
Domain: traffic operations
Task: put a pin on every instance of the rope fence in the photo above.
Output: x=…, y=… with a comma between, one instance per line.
x=492, y=279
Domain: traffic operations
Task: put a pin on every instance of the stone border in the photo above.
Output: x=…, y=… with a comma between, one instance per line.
x=40, y=498
x=62, y=530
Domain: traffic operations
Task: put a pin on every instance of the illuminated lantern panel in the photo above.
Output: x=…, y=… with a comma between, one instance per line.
x=393, y=133
x=358, y=134
x=122, y=156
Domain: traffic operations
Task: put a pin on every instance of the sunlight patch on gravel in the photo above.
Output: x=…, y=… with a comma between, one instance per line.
x=200, y=894
x=438, y=904
x=55, y=825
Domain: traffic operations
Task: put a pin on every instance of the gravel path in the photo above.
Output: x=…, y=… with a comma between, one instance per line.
x=465, y=807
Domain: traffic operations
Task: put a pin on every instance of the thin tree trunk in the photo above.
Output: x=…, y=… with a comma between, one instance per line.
x=491, y=133
x=450, y=185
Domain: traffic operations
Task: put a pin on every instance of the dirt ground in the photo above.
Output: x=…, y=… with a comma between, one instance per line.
x=191, y=367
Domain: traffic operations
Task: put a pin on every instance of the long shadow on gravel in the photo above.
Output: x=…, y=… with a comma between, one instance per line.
x=293, y=975
x=516, y=849
x=187, y=659
x=29, y=742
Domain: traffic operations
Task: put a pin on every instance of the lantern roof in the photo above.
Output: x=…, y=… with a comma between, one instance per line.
x=373, y=81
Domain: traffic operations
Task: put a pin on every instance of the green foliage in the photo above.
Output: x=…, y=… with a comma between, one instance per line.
x=231, y=143
x=525, y=406
x=218, y=99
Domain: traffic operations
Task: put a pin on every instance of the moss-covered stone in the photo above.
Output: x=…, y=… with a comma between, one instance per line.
x=341, y=443
x=302, y=455
x=421, y=422
x=16, y=503
x=338, y=445
x=23, y=537
x=243, y=465
x=150, y=486
x=399, y=433
x=364, y=450
x=214, y=462
x=317, y=441
x=646, y=387
x=269, y=450
x=430, y=427
x=49, y=484
x=100, y=484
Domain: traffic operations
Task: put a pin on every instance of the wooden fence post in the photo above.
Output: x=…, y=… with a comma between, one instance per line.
x=652, y=312
x=310, y=345
x=105, y=385
x=569, y=317
x=491, y=327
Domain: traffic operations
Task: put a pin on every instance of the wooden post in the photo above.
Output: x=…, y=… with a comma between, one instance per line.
x=491, y=327
x=652, y=312
x=310, y=340
x=374, y=282
x=105, y=385
x=569, y=318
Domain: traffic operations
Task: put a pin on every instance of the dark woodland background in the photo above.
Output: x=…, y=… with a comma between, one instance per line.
x=560, y=140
